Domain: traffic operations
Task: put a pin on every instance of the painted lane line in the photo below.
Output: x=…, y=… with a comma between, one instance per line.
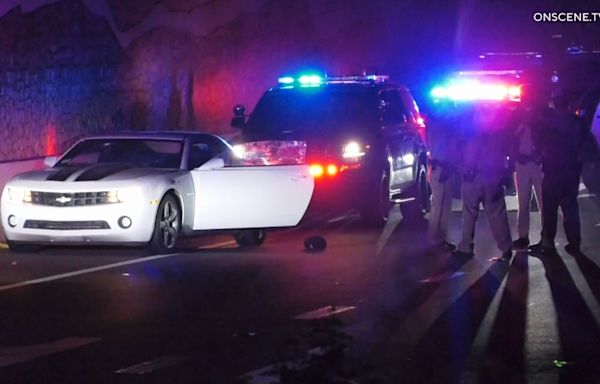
x=324, y=312
x=342, y=217
x=16, y=355
x=152, y=365
x=217, y=245
x=3, y=246
x=394, y=219
x=84, y=271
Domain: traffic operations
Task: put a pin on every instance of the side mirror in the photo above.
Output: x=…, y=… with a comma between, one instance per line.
x=50, y=161
x=239, y=110
x=239, y=116
x=214, y=163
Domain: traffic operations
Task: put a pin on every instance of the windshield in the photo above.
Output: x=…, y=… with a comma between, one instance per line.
x=309, y=111
x=136, y=152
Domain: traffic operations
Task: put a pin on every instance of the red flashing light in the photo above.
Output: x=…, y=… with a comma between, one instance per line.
x=50, y=145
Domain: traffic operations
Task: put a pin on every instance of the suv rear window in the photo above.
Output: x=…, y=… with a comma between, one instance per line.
x=314, y=111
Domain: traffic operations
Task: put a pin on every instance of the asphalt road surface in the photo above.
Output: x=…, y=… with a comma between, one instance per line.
x=376, y=304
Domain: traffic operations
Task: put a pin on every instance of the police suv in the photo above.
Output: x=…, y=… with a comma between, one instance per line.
x=365, y=140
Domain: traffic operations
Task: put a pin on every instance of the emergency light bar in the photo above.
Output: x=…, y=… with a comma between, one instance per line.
x=313, y=80
x=481, y=85
x=502, y=72
x=475, y=90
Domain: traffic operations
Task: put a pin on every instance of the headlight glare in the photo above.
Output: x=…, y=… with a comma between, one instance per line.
x=19, y=195
x=122, y=195
x=127, y=195
x=112, y=197
x=353, y=150
x=239, y=151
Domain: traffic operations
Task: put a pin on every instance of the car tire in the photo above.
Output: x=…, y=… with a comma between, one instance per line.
x=167, y=226
x=591, y=176
x=420, y=191
x=250, y=237
x=22, y=247
x=376, y=211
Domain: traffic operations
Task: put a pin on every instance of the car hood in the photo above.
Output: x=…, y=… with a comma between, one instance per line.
x=99, y=172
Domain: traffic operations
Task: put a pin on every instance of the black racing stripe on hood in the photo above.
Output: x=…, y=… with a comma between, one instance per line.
x=101, y=171
x=64, y=173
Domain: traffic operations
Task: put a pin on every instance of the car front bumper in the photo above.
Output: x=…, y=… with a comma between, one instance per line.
x=97, y=224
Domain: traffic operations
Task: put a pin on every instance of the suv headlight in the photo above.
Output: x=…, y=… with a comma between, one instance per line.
x=18, y=195
x=353, y=151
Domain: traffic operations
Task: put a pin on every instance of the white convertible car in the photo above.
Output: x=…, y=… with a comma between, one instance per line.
x=151, y=188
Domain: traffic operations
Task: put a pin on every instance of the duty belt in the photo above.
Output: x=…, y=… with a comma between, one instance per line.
x=524, y=159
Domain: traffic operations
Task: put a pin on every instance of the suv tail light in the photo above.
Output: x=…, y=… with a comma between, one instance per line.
x=318, y=170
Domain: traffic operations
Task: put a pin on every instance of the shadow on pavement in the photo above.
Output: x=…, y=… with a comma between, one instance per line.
x=578, y=330
x=591, y=273
x=442, y=353
x=504, y=359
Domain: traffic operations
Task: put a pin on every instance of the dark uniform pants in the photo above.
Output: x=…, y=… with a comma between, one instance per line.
x=528, y=179
x=491, y=194
x=441, y=206
x=560, y=192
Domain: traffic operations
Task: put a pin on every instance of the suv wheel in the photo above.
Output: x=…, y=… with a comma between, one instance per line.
x=416, y=209
x=376, y=211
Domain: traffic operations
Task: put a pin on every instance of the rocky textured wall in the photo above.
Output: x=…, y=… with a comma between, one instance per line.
x=58, y=68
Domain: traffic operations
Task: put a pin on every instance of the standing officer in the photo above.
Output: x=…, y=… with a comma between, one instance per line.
x=528, y=172
x=444, y=147
x=560, y=136
x=484, y=172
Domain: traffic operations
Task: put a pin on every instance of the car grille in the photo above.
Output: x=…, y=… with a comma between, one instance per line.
x=66, y=225
x=77, y=199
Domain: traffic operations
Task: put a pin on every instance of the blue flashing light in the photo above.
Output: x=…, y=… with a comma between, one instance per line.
x=286, y=80
x=439, y=92
x=474, y=90
x=310, y=80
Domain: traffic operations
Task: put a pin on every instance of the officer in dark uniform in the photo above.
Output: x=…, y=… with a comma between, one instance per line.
x=484, y=172
x=528, y=169
x=444, y=146
x=559, y=134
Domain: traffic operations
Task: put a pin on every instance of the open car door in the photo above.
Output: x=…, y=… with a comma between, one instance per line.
x=251, y=196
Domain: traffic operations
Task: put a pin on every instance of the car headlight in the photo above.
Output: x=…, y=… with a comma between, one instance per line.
x=122, y=195
x=18, y=195
x=353, y=151
x=239, y=151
